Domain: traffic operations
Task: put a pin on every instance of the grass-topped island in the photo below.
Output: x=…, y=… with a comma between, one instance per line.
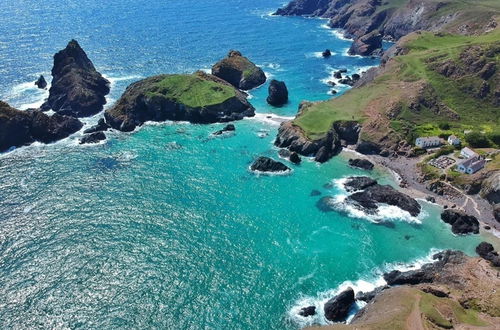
x=197, y=98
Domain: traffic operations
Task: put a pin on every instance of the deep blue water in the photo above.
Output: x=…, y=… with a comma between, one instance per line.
x=166, y=227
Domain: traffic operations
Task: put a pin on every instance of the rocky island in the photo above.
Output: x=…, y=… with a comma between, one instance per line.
x=239, y=71
x=197, y=98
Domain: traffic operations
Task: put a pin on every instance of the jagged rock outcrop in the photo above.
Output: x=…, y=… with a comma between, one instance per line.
x=369, y=199
x=356, y=183
x=337, y=308
x=95, y=137
x=20, y=128
x=326, y=53
x=41, y=82
x=486, y=251
x=197, y=98
x=429, y=272
x=278, y=93
x=364, y=164
x=101, y=126
x=460, y=222
x=239, y=71
x=266, y=164
x=490, y=188
x=293, y=138
x=77, y=88
x=368, y=148
x=307, y=311
x=367, y=45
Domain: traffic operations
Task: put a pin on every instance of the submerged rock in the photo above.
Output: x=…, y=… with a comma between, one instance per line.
x=307, y=311
x=369, y=199
x=19, y=128
x=266, y=164
x=239, y=71
x=326, y=53
x=356, y=183
x=41, y=82
x=77, y=89
x=197, y=98
x=101, y=126
x=93, y=138
x=278, y=93
x=227, y=128
x=337, y=308
x=361, y=163
x=460, y=222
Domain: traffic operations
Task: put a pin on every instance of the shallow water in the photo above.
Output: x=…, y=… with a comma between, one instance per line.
x=166, y=227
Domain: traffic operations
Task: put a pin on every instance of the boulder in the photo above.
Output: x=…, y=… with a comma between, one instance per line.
x=239, y=71
x=368, y=296
x=367, y=45
x=326, y=53
x=295, y=158
x=307, y=311
x=460, y=222
x=266, y=164
x=346, y=81
x=356, y=183
x=486, y=251
x=337, y=75
x=430, y=199
x=369, y=199
x=227, y=128
x=368, y=148
x=361, y=163
x=337, y=308
x=93, y=138
x=41, y=82
x=101, y=126
x=77, y=89
x=278, y=93
x=19, y=128
x=197, y=98
x=355, y=77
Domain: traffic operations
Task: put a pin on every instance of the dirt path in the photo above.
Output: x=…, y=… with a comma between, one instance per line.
x=414, y=320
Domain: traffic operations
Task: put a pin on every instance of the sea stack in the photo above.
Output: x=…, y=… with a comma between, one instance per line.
x=198, y=98
x=278, y=93
x=77, y=89
x=239, y=71
x=41, y=82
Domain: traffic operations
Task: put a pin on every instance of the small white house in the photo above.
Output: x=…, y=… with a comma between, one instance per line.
x=468, y=153
x=428, y=142
x=471, y=165
x=453, y=140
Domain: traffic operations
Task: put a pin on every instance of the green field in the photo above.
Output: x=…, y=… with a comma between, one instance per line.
x=191, y=90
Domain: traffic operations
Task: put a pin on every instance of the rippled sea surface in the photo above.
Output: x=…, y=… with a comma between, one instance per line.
x=166, y=227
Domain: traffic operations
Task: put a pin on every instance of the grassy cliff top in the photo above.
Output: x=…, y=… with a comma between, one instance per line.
x=411, y=97
x=192, y=90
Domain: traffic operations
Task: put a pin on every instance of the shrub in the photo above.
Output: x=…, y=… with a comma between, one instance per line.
x=444, y=126
x=477, y=140
x=495, y=138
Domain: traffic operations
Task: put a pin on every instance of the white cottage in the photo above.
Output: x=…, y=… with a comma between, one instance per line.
x=428, y=142
x=468, y=153
x=453, y=140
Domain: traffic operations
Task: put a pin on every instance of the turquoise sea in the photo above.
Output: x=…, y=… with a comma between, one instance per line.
x=166, y=227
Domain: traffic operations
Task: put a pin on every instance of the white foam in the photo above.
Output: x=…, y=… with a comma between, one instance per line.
x=28, y=91
x=366, y=284
x=270, y=118
x=339, y=34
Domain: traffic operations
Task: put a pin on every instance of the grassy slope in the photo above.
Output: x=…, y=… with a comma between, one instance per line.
x=192, y=90
x=363, y=103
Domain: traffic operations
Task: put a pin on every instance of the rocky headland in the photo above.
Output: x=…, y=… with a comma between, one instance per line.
x=77, y=89
x=197, y=98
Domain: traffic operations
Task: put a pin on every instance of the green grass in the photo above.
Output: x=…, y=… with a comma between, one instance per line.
x=191, y=90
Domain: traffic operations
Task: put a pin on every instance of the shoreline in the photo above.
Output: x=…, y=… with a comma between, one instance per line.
x=404, y=169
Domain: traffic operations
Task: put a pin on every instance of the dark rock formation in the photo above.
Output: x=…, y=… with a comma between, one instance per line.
x=265, y=164
x=176, y=97
x=326, y=53
x=278, y=93
x=93, y=138
x=430, y=199
x=356, y=183
x=355, y=77
x=227, y=128
x=496, y=212
x=367, y=45
x=337, y=75
x=20, y=128
x=486, y=251
x=368, y=148
x=239, y=71
x=428, y=273
x=435, y=292
x=490, y=188
x=337, y=308
x=101, y=126
x=374, y=194
x=77, y=89
x=307, y=311
x=295, y=158
x=41, y=82
x=292, y=137
x=304, y=8
x=460, y=222
x=368, y=296
x=361, y=163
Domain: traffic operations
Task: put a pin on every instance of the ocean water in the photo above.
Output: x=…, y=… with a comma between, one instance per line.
x=166, y=227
